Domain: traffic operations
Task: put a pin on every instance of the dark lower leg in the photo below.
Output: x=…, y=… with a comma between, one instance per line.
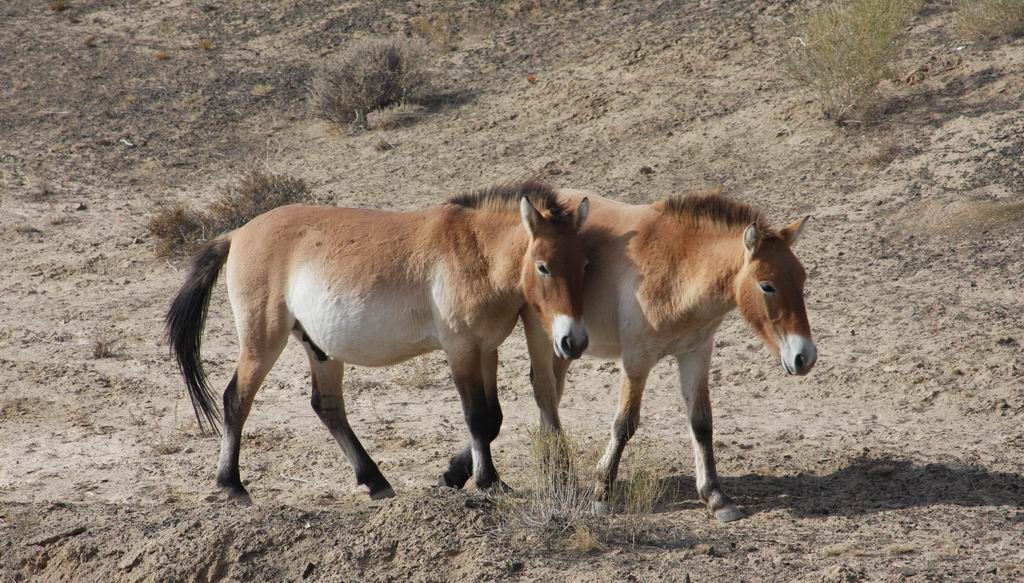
x=484, y=423
x=332, y=413
x=708, y=486
x=460, y=468
x=228, y=476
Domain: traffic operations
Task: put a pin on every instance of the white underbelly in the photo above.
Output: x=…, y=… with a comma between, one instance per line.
x=367, y=328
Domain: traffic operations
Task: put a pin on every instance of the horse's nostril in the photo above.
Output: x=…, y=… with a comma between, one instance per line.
x=799, y=361
x=567, y=344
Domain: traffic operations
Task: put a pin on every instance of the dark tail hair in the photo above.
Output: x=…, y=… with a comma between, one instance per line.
x=184, y=327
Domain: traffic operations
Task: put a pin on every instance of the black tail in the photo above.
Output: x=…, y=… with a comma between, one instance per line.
x=184, y=327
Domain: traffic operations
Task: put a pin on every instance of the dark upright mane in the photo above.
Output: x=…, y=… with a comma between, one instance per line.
x=505, y=197
x=712, y=209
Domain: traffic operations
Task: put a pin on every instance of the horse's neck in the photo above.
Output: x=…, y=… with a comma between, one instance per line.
x=700, y=288
x=503, y=242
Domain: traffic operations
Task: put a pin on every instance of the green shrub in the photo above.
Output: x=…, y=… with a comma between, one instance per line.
x=847, y=47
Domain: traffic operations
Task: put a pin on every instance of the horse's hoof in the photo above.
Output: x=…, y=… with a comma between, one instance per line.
x=729, y=513
x=600, y=508
x=236, y=495
x=383, y=493
x=498, y=487
x=445, y=482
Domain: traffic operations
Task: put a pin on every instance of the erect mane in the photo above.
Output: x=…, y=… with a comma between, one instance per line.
x=712, y=209
x=506, y=197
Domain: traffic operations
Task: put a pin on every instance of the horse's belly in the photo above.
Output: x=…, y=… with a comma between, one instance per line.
x=366, y=328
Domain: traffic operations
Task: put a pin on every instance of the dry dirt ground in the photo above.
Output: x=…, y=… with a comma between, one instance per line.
x=898, y=458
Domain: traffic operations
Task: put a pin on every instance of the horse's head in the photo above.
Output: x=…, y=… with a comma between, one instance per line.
x=769, y=291
x=552, y=274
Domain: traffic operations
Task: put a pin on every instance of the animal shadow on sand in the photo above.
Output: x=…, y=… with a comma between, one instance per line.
x=865, y=486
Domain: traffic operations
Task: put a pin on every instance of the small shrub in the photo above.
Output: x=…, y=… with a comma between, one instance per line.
x=205, y=44
x=57, y=5
x=845, y=48
x=180, y=229
x=583, y=540
x=161, y=55
x=254, y=193
x=103, y=348
x=370, y=75
x=982, y=19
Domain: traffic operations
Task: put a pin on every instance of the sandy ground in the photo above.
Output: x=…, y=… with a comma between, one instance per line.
x=898, y=458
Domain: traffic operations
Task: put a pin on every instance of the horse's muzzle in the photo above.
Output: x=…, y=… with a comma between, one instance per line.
x=570, y=337
x=798, y=354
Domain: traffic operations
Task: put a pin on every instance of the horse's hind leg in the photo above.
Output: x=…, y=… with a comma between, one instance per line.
x=693, y=380
x=253, y=366
x=460, y=467
x=329, y=403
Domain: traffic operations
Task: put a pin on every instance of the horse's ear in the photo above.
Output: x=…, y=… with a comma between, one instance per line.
x=751, y=238
x=531, y=218
x=581, y=213
x=791, y=232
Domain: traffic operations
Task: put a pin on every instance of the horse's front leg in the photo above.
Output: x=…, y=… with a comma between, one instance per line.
x=547, y=372
x=483, y=416
x=631, y=391
x=693, y=381
x=460, y=467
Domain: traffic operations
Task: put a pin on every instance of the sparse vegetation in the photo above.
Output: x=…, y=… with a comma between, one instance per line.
x=641, y=490
x=555, y=501
x=161, y=55
x=205, y=44
x=981, y=19
x=178, y=229
x=103, y=348
x=394, y=116
x=57, y=5
x=438, y=29
x=845, y=48
x=371, y=75
x=556, y=509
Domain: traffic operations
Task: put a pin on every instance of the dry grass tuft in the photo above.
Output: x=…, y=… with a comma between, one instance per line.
x=371, y=75
x=582, y=541
x=179, y=229
x=205, y=44
x=845, y=48
x=394, y=116
x=983, y=19
x=900, y=549
x=641, y=490
x=103, y=348
x=161, y=55
x=556, y=507
x=437, y=29
x=555, y=501
x=57, y=5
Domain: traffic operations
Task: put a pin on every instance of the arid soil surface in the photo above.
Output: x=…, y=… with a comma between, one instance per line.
x=899, y=458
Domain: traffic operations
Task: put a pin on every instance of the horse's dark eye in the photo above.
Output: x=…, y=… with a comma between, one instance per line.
x=543, y=268
x=767, y=287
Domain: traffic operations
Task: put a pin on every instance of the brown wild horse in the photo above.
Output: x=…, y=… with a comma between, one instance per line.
x=661, y=278
x=374, y=288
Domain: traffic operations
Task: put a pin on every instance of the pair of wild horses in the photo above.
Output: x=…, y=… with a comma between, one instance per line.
x=374, y=288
